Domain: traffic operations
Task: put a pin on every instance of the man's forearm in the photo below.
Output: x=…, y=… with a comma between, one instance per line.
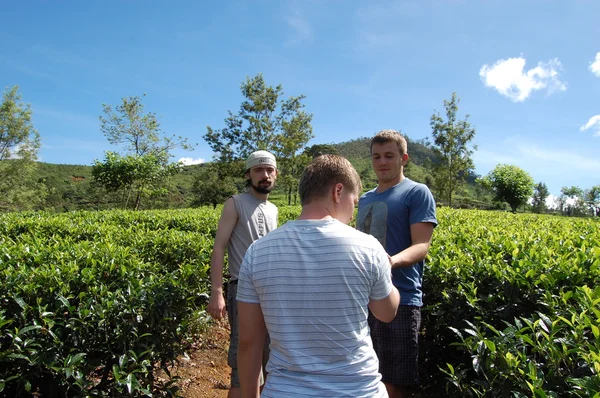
x=410, y=255
x=216, y=270
x=249, y=367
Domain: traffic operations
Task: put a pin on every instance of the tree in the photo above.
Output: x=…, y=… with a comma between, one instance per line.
x=320, y=149
x=451, y=144
x=572, y=201
x=592, y=199
x=265, y=121
x=19, y=145
x=510, y=184
x=297, y=131
x=540, y=193
x=210, y=189
x=133, y=175
x=144, y=169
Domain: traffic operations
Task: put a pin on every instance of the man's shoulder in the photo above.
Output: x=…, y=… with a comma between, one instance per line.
x=236, y=197
x=368, y=194
x=271, y=205
x=418, y=186
x=348, y=232
x=408, y=188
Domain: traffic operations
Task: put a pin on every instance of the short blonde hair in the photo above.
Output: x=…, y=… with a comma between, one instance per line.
x=324, y=172
x=385, y=136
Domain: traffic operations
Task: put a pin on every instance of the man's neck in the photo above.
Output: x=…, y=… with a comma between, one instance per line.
x=384, y=186
x=258, y=195
x=316, y=211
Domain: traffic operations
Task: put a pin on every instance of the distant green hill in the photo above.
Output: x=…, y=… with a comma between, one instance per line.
x=357, y=151
x=70, y=187
x=359, y=148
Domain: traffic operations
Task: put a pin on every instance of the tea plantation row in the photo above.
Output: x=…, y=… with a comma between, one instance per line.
x=94, y=303
x=513, y=306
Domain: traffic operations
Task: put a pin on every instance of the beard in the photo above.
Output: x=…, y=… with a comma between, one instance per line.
x=263, y=188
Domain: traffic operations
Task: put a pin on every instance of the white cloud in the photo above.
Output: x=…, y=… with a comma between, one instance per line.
x=551, y=202
x=302, y=30
x=595, y=66
x=510, y=79
x=190, y=161
x=593, y=124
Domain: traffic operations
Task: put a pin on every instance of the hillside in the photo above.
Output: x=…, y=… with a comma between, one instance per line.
x=70, y=187
x=357, y=151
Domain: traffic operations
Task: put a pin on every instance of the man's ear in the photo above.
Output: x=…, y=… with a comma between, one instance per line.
x=337, y=192
x=404, y=159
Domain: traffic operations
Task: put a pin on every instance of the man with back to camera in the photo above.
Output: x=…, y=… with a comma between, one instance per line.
x=309, y=284
x=245, y=218
x=400, y=213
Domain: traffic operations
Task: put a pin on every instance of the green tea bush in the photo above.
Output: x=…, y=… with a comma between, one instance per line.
x=94, y=303
x=512, y=306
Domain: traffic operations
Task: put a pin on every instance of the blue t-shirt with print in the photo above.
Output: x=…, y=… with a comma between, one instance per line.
x=388, y=216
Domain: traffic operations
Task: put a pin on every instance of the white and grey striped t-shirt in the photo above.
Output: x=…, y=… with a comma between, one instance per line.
x=313, y=280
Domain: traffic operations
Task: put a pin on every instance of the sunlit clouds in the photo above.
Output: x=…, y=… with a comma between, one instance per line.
x=510, y=78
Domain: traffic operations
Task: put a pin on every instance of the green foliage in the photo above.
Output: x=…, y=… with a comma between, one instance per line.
x=289, y=147
x=572, y=201
x=262, y=123
x=512, y=306
x=140, y=133
x=320, y=149
x=452, y=146
x=211, y=189
x=510, y=184
x=19, y=144
x=135, y=176
x=357, y=151
x=145, y=170
x=540, y=193
x=592, y=199
x=94, y=303
x=265, y=121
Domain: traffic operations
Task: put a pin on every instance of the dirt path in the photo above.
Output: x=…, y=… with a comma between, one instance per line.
x=205, y=374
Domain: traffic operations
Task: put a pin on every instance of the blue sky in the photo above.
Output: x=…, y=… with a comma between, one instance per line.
x=527, y=72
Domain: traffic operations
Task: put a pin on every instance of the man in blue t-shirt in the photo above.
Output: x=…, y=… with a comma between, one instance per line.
x=400, y=213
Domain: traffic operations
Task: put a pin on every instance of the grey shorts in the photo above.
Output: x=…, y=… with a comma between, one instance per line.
x=397, y=346
x=232, y=311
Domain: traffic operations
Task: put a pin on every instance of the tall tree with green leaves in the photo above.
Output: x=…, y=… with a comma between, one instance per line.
x=452, y=146
x=572, y=201
x=510, y=184
x=209, y=188
x=540, y=193
x=320, y=149
x=19, y=145
x=265, y=121
x=143, y=169
x=290, y=147
x=134, y=176
x=592, y=199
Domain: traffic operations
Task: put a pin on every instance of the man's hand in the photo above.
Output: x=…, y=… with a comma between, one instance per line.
x=216, y=305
